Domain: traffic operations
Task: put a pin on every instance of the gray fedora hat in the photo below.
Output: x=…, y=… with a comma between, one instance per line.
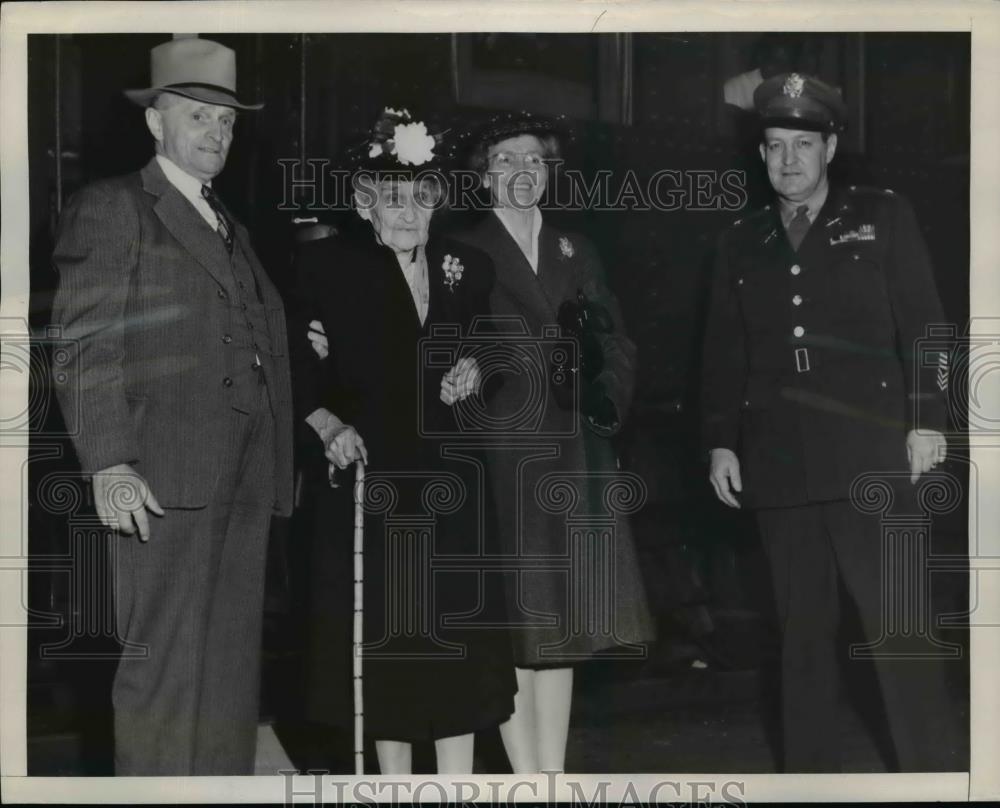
x=194, y=68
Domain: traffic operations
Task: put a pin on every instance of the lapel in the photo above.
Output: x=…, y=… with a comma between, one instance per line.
x=391, y=292
x=555, y=270
x=185, y=223
x=768, y=243
x=513, y=272
x=445, y=302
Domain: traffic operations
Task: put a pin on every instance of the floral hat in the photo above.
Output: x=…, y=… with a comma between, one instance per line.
x=400, y=144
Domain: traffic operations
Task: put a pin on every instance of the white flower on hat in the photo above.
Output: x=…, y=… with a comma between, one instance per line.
x=412, y=145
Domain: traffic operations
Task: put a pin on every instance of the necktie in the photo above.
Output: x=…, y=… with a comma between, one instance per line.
x=224, y=229
x=798, y=226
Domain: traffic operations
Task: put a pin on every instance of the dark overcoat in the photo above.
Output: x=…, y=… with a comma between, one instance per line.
x=438, y=661
x=562, y=502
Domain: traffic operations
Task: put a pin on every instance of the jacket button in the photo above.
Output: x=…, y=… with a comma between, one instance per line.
x=883, y=383
x=740, y=281
x=796, y=269
x=797, y=300
x=227, y=339
x=227, y=382
x=798, y=331
x=222, y=295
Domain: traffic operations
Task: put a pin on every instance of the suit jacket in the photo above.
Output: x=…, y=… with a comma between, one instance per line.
x=142, y=298
x=809, y=371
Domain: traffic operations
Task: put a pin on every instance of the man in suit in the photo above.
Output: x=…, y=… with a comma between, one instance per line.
x=809, y=381
x=183, y=419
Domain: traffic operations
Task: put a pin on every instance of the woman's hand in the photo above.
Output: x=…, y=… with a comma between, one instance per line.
x=344, y=446
x=461, y=381
x=317, y=337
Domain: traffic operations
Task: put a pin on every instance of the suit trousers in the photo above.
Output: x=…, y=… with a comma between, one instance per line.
x=808, y=547
x=192, y=597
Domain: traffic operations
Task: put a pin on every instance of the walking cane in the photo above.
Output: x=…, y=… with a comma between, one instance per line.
x=359, y=586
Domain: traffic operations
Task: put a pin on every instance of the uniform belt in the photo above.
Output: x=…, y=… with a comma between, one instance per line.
x=803, y=361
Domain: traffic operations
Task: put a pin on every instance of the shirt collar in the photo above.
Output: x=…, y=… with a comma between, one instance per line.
x=189, y=186
x=813, y=205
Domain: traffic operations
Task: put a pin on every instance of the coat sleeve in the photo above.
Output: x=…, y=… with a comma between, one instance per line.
x=96, y=256
x=916, y=307
x=307, y=368
x=724, y=363
x=618, y=373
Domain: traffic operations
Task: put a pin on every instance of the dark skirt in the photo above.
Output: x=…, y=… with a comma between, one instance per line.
x=438, y=660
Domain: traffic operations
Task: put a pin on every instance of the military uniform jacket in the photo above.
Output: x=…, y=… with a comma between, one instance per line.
x=813, y=371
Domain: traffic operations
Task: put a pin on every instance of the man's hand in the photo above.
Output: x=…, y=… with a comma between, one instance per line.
x=461, y=381
x=723, y=472
x=122, y=497
x=924, y=449
x=317, y=337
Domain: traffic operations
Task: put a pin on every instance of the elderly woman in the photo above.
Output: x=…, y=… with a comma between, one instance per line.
x=389, y=391
x=540, y=272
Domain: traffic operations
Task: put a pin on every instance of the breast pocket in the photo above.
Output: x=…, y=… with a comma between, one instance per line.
x=855, y=284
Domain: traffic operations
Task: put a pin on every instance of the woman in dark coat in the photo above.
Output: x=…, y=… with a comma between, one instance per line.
x=388, y=392
x=558, y=490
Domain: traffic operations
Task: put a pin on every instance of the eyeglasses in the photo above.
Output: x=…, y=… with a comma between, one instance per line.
x=524, y=159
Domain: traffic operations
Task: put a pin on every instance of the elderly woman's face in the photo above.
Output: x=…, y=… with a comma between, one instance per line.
x=516, y=172
x=399, y=210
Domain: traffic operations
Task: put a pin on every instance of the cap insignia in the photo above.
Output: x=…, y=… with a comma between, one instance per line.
x=793, y=85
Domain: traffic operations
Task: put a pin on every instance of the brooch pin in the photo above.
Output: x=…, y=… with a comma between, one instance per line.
x=865, y=232
x=566, y=247
x=453, y=270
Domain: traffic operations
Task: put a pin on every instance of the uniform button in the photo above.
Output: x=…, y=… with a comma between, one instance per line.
x=740, y=281
x=884, y=384
x=227, y=339
x=249, y=325
x=796, y=269
x=222, y=295
x=746, y=403
x=799, y=331
x=244, y=307
x=227, y=382
x=797, y=300
x=855, y=256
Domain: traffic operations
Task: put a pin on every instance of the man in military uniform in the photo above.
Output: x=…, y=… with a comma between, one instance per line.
x=817, y=303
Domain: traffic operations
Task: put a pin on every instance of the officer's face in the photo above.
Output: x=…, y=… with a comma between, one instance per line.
x=195, y=136
x=796, y=161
